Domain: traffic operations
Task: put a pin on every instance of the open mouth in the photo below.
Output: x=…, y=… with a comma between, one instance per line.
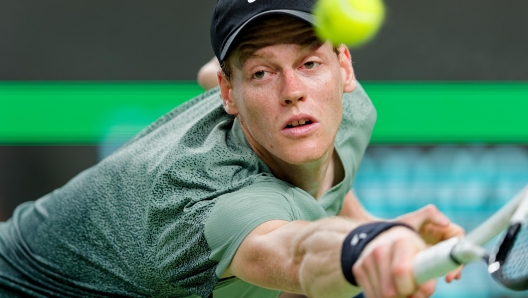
x=297, y=123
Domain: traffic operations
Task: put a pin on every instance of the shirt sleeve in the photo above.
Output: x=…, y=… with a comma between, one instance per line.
x=353, y=137
x=236, y=214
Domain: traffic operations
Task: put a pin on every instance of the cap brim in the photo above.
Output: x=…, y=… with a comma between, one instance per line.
x=306, y=16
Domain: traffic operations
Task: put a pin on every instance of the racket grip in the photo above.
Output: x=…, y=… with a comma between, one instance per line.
x=434, y=261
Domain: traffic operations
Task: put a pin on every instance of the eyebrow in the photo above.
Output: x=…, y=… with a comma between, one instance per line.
x=251, y=51
x=275, y=31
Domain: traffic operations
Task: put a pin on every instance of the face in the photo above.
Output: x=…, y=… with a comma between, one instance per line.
x=288, y=98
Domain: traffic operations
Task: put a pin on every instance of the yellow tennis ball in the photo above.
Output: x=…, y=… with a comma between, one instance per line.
x=350, y=22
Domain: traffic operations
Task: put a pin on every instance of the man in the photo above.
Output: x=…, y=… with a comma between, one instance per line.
x=230, y=197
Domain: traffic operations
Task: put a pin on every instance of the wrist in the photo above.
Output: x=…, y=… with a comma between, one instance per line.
x=357, y=240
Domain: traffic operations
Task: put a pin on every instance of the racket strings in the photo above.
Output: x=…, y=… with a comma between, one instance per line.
x=514, y=268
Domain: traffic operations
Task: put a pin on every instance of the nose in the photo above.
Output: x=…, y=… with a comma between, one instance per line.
x=293, y=90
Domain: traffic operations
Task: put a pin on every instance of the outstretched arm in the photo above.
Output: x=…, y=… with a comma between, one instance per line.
x=352, y=209
x=431, y=231
x=283, y=255
x=305, y=257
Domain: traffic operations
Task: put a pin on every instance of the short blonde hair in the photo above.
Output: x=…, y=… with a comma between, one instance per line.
x=266, y=31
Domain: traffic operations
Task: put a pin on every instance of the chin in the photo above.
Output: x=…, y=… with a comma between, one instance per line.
x=303, y=158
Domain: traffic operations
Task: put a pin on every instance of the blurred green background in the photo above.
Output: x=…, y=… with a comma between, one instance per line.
x=86, y=113
x=448, y=78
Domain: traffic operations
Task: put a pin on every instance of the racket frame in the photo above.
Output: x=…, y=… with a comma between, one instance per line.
x=447, y=255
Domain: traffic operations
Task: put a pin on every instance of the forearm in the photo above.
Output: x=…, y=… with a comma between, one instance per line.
x=298, y=257
x=317, y=250
x=305, y=257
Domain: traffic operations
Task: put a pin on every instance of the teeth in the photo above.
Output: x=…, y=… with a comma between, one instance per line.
x=298, y=122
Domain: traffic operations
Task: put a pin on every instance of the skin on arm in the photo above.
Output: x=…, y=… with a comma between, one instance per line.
x=208, y=74
x=385, y=266
x=304, y=257
x=352, y=208
x=291, y=295
x=278, y=86
x=298, y=257
x=432, y=231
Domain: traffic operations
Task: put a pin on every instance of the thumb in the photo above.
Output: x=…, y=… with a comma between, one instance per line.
x=424, y=215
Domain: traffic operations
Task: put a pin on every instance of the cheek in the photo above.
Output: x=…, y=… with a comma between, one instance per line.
x=329, y=85
x=257, y=113
x=258, y=103
x=333, y=105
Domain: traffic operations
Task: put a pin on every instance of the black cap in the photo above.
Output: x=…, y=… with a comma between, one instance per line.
x=231, y=16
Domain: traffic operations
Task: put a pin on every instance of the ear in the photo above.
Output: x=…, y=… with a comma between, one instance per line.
x=345, y=60
x=226, y=91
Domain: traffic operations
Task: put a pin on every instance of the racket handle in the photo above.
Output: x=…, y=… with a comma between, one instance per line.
x=434, y=261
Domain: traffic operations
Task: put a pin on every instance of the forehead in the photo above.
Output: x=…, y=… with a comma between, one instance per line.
x=269, y=31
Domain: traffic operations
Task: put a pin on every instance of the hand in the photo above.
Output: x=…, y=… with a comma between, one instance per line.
x=384, y=268
x=433, y=226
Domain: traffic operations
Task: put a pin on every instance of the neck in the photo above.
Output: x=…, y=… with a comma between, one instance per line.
x=316, y=178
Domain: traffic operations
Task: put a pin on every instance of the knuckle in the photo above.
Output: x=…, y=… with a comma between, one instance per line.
x=428, y=293
x=359, y=274
x=400, y=270
x=379, y=253
x=366, y=262
x=389, y=292
x=428, y=289
x=430, y=208
x=358, y=268
x=404, y=243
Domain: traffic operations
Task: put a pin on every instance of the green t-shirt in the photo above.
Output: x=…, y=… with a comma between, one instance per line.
x=268, y=198
x=163, y=215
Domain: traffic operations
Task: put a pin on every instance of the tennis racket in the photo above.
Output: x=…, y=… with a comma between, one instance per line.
x=508, y=264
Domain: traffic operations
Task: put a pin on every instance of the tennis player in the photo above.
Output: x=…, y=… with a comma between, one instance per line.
x=244, y=191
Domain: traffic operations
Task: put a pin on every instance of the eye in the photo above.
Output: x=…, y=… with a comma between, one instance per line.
x=311, y=64
x=260, y=74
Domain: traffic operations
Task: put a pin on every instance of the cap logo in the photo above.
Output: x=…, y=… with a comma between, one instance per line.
x=251, y=1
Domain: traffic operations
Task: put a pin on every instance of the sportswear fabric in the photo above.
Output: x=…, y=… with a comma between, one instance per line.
x=356, y=241
x=164, y=214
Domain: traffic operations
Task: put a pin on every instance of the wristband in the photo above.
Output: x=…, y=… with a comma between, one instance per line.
x=356, y=241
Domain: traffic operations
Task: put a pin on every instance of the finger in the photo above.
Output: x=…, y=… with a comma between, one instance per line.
x=403, y=278
x=425, y=290
x=435, y=216
x=449, y=231
x=360, y=273
x=426, y=214
x=382, y=259
x=374, y=281
x=454, y=230
x=432, y=233
x=455, y=274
